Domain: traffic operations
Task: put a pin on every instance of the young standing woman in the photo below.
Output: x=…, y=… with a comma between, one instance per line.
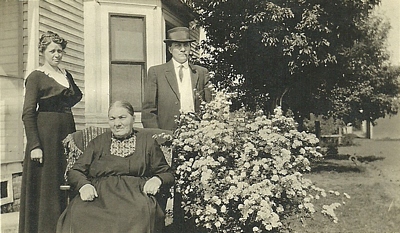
x=50, y=94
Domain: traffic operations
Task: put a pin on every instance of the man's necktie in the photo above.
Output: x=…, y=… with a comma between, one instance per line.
x=180, y=72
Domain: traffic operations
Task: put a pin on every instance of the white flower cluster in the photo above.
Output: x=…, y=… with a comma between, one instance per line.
x=241, y=171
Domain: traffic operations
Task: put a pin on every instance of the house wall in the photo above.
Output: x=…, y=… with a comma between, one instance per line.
x=10, y=82
x=11, y=90
x=11, y=132
x=9, y=38
x=11, y=136
x=97, y=61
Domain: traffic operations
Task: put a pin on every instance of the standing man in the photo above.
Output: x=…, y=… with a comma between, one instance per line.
x=174, y=86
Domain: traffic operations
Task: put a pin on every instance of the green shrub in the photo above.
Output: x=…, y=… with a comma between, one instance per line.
x=331, y=150
x=243, y=171
x=348, y=140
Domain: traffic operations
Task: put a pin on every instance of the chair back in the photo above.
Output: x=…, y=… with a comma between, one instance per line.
x=75, y=143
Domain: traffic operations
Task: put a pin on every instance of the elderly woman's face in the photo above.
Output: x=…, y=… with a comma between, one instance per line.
x=120, y=121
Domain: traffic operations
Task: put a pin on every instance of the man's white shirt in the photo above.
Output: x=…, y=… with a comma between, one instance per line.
x=185, y=87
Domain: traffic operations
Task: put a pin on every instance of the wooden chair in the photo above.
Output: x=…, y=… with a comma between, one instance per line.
x=75, y=143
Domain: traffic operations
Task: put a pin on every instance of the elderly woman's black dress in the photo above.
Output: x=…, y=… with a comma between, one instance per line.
x=48, y=120
x=121, y=205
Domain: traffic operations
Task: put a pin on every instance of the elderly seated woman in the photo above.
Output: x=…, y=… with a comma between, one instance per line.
x=118, y=176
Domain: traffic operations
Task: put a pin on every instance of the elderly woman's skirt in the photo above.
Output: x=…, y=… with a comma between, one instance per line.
x=120, y=207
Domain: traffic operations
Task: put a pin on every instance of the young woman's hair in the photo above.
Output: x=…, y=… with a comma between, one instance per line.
x=49, y=37
x=123, y=104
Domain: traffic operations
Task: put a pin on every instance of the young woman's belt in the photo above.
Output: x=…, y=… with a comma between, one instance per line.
x=53, y=108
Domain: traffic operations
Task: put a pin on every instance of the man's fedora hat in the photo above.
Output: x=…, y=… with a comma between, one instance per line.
x=178, y=34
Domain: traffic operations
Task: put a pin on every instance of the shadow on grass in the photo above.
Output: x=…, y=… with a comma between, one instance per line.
x=327, y=166
x=369, y=158
x=342, y=163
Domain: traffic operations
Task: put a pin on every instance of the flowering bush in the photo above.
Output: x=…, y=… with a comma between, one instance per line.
x=241, y=171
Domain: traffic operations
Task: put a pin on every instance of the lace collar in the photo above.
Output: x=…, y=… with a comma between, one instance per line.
x=123, y=147
x=60, y=78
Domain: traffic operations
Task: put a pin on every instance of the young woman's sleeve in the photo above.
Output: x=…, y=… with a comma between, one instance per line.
x=29, y=112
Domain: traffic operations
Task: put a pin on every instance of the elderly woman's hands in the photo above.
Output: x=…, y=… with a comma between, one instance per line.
x=88, y=192
x=152, y=186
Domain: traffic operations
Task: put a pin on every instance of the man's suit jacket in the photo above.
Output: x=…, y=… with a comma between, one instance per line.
x=161, y=102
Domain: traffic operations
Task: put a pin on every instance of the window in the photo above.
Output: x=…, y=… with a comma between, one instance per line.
x=128, y=56
x=4, y=189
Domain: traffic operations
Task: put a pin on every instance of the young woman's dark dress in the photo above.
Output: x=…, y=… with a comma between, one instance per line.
x=48, y=120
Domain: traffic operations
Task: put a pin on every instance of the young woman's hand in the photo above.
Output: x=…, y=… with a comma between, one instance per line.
x=37, y=155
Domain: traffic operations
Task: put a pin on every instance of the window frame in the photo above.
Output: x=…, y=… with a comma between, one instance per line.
x=112, y=62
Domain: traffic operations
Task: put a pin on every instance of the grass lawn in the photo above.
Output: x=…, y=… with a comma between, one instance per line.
x=375, y=195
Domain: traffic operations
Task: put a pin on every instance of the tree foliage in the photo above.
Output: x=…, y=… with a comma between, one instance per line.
x=324, y=57
x=369, y=85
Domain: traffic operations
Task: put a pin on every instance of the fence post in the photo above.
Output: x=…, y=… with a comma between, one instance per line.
x=318, y=129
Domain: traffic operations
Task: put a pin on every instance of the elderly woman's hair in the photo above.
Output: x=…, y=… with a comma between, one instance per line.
x=123, y=104
x=49, y=37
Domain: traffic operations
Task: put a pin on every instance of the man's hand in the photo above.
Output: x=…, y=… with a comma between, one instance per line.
x=37, y=155
x=88, y=192
x=152, y=186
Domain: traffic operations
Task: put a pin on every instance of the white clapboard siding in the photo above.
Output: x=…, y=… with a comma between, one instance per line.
x=11, y=131
x=11, y=83
x=9, y=38
x=195, y=34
